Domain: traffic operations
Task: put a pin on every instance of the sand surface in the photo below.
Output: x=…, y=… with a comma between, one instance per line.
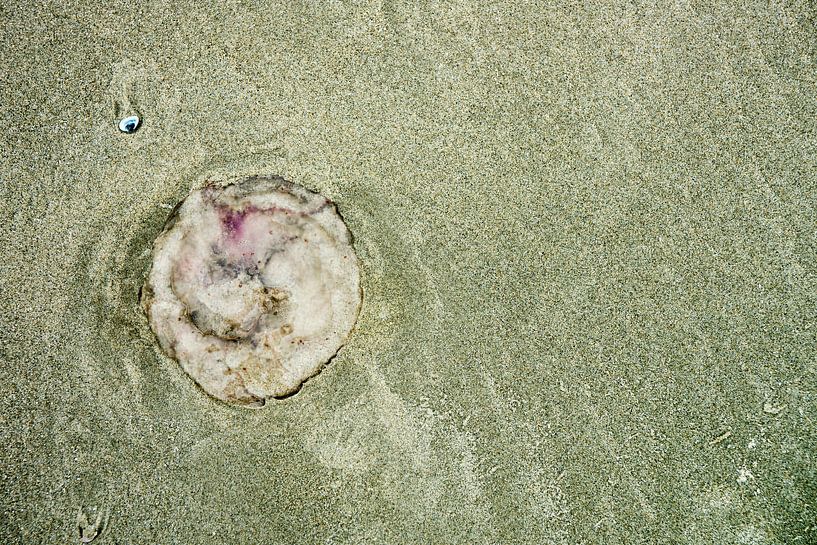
x=588, y=237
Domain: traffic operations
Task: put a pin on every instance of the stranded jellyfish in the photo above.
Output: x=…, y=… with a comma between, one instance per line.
x=254, y=287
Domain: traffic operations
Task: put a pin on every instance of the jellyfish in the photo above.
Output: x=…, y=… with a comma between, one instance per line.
x=254, y=287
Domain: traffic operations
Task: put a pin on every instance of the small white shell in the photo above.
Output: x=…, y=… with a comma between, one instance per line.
x=129, y=124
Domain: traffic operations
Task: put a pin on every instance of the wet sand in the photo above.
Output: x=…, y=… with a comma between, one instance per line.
x=589, y=260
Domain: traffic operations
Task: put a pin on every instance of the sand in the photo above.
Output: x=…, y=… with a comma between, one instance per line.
x=587, y=235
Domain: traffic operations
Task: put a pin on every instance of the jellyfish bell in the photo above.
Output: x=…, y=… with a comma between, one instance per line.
x=254, y=287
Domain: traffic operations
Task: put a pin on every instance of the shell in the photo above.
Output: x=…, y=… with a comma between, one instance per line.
x=129, y=124
x=254, y=288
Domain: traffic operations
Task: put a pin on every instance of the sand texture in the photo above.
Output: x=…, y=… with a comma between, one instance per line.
x=588, y=245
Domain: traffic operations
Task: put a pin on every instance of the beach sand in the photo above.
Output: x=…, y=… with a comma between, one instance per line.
x=589, y=260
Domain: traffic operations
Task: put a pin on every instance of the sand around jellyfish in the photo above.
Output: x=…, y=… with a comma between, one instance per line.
x=254, y=287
